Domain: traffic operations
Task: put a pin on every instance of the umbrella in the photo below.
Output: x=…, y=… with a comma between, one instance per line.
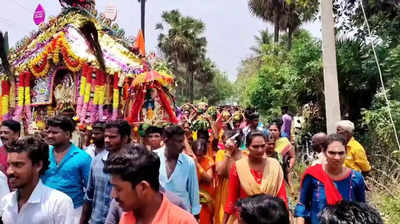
x=150, y=76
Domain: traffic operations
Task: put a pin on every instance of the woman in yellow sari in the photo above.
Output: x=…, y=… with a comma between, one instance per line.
x=232, y=139
x=285, y=151
x=253, y=174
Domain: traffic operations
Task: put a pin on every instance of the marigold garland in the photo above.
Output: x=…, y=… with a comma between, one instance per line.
x=27, y=82
x=115, y=97
x=85, y=70
x=56, y=50
x=82, y=87
x=96, y=88
x=88, y=86
x=21, y=91
x=86, y=97
x=5, y=94
x=39, y=66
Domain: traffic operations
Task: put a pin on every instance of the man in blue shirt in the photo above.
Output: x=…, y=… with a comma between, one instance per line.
x=98, y=193
x=178, y=171
x=69, y=165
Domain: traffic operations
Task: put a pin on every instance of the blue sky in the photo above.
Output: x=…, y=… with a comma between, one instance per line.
x=230, y=28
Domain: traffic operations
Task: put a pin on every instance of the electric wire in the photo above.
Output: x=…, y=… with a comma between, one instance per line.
x=380, y=76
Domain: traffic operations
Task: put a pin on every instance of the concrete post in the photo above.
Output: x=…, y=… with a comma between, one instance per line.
x=332, y=104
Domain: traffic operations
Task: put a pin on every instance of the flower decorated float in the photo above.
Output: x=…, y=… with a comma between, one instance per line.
x=80, y=62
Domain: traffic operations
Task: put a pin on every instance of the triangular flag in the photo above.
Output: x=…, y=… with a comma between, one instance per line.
x=139, y=44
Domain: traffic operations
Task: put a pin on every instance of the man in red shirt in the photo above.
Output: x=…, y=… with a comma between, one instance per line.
x=135, y=179
x=9, y=133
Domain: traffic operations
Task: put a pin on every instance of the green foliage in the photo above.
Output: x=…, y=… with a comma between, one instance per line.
x=379, y=125
x=383, y=17
x=272, y=89
x=306, y=59
x=387, y=205
x=390, y=208
x=282, y=77
x=217, y=91
x=264, y=37
x=357, y=76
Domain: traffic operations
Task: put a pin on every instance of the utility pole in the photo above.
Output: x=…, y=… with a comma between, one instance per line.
x=332, y=104
x=142, y=15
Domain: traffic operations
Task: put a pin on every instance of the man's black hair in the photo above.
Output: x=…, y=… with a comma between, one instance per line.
x=37, y=150
x=263, y=209
x=285, y=109
x=124, y=128
x=173, y=130
x=14, y=126
x=347, y=212
x=251, y=114
x=64, y=123
x=153, y=129
x=134, y=163
x=203, y=134
x=99, y=125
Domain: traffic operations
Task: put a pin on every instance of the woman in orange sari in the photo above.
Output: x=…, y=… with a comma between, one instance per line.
x=254, y=174
x=205, y=167
x=232, y=139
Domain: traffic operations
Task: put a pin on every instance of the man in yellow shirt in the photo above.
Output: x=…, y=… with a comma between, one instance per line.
x=356, y=157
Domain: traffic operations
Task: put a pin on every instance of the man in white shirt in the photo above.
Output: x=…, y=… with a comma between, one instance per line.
x=32, y=202
x=3, y=185
x=319, y=143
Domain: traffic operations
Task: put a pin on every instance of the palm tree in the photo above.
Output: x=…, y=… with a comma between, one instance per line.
x=183, y=46
x=286, y=15
x=269, y=11
x=297, y=13
x=264, y=37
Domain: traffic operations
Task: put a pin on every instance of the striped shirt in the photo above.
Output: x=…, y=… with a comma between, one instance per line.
x=98, y=193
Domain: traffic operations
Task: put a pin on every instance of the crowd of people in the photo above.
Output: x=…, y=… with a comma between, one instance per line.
x=232, y=170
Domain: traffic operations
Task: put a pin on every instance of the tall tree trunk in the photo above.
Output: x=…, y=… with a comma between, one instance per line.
x=143, y=11
x=276, y=27
x=290, y=38
x=191, y=87
x=291, y=25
